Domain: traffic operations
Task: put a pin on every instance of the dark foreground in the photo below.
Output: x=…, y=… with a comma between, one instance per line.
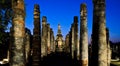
x=57, y=59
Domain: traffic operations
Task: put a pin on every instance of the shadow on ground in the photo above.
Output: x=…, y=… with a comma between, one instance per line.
x=59, y=59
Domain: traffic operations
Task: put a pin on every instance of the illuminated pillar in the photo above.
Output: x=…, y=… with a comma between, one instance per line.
x=76, y=42
x=99, y=44
x=36, y=46
x=44, y=37
x=52, y=46
x=83, y=36
x=108, y=48
x=48, y=39
x=67, y=48
x=17, y=47
x=72, y=43
x=27, y=44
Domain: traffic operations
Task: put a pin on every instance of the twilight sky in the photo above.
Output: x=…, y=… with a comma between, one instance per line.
x=62, y=12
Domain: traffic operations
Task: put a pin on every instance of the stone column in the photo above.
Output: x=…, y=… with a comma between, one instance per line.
x=44, y=35
x=67, y=49
x=108, y=48
x=72, y=43
x=78, y=49
x=76, y=42
x=48, y=39
x=17, y=47
x=27, y=44
x=99, y=45
x=70, y=40
x=52, y=40
x=36, y=46
x=83, y=35
x=54, y=45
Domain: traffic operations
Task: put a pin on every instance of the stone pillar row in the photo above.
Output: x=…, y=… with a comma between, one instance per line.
x=43, y=42
x=20, y=44
x=72, y=40
x=48, y=41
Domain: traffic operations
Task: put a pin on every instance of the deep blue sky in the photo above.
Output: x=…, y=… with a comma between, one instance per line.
x=62, y=12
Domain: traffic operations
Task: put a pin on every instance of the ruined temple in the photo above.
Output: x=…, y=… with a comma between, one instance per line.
x=24, y=50
x=59, y=40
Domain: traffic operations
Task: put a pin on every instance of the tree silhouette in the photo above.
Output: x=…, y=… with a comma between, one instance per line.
x=5, y=19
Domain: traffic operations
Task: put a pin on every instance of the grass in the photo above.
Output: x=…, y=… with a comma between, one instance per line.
x=115, y=62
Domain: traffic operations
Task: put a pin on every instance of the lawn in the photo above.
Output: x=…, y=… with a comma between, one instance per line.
x=115, y=62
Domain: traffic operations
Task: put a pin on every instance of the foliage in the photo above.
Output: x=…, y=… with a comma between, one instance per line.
x=5, y=19
x=5, y=4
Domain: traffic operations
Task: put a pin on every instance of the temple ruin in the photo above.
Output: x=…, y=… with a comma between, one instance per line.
x=26, y=48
